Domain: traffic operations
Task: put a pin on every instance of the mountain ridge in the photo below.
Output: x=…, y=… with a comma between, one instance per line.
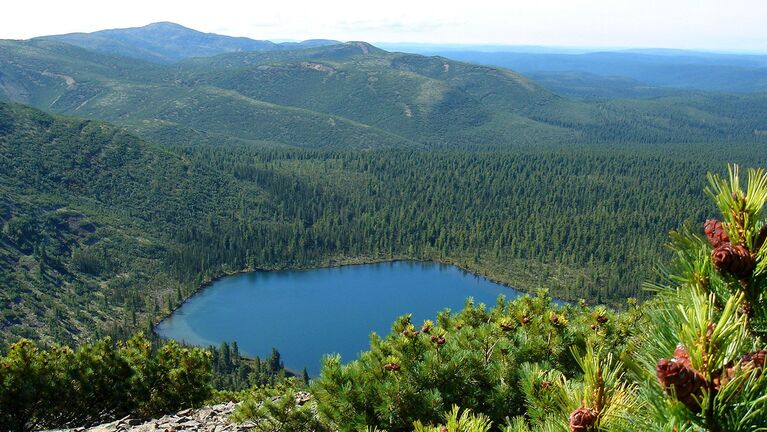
x=303, y=96
x=686, y=70
x=168, y=42
x=390, y=99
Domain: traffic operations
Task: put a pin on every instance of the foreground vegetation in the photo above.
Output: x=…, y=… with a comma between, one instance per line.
x=58, y=386
x=61, y=387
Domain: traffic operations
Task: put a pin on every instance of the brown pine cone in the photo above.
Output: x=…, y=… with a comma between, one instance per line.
x=750, y=361
x=392, y=367
x=715, y=232
x=709, y=334
x=682, y=356
x=688, y=384
x=583, y=419
x=439, y=340
x=734, y=259
x=721, y=377
x=756, y=359
x=525, y=319
x=601, y=319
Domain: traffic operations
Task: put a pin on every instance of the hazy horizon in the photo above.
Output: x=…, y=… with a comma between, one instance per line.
x=702, y=25
x=489, y=47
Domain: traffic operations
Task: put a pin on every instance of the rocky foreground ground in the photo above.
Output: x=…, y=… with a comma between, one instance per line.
x=213, y=418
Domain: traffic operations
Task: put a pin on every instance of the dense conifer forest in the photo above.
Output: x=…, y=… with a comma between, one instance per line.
x=104, y=233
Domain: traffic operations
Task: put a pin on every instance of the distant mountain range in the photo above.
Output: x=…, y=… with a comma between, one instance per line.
x=352, y=95
x=166, y=42
x=580, y=73
x=642, y=72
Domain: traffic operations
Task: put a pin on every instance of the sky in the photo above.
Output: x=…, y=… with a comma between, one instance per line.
x=734, y=25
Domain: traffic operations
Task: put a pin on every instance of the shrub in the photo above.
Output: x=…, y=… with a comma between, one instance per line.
x=61, y=387
x=471, y=359
x=277, y=408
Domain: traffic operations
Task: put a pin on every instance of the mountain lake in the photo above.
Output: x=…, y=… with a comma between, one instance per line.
x=306, y=314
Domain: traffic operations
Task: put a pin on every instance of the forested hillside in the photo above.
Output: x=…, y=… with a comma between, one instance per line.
x=88, y=213
x=102, y=232
x=352, y=95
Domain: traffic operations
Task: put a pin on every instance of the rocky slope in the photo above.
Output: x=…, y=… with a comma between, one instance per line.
x=213, y=418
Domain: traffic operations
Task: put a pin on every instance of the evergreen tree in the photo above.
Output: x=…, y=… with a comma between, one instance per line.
x=235, y=354
x=274, y=362
x=225, y=357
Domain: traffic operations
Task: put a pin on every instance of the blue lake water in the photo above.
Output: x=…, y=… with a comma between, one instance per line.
x=308, y=313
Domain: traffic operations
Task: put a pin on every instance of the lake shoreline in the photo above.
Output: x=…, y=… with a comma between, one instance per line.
x=331, y=263
x=387, y=287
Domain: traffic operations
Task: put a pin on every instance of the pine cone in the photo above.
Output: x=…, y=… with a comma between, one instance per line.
x=601, y=319
x=721, y=377
x=525, y=319
x=392, y=367
x=583, y=419
x=715, y=232
x=735, y=260
x=439, y=340
x=756, y=359
x=709, y=334
x=678, y=373
x=750, y=361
